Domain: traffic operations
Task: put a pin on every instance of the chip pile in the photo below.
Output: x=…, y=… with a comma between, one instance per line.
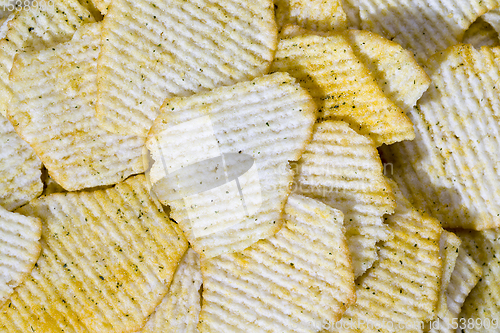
x=227, y=166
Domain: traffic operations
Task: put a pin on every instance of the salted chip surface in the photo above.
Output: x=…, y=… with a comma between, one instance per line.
x=20, y=169
x=186, y=47
x=19, y=249
x=299, y=280
x=321, y=15
x=450, y=169
x=221, y=159
x=481, y=33
x=53, y=109
x=107, y=259
x=342, y=85
x=423, y=27
x=343, y=169
x=401, y=290
x=48, y=23
x=179, y=311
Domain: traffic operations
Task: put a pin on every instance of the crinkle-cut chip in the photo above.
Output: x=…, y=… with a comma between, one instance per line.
x=450, y=170
x=227, y=205
x=43, y=26
x=343, y=169
x=463, y=279
x=322, y=15
x=402, y=287
x=20, y=169
x=482, y=303
x=177, y=48
x=351, y=9
x=394, y=68
x=493, y=18
x=180, y=309
x=107, y=259
x=422, y=27
x=19, y=249
x=299, y=280
x=53, y=109
x=342, y=85
x=481, y=33
x=449, y=245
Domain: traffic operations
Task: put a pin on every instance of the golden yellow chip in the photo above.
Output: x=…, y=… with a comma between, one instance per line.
x=450, y=169
x=19, y=249
x=449, y=245
x=26, y=31
x=343, y=169
x=53, y=109
x=107, y=259
x=299, y=280
x=154, y=50
x=481, y=33
x=400, y=292
x=221, y=159
x=342, y=85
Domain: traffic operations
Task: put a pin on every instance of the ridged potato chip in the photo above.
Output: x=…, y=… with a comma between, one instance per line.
x=400, y=292
x=299, y=280
x=180, y=310
x=449, y=246
x=53, y=109
x=342, y=85
x=49, y=23
x=481, y=33
x=19, y=250
x=343, y=169
x=107, y=259
x=154, y=50
x=450, y=169
x=221, y=159
x=493, y=18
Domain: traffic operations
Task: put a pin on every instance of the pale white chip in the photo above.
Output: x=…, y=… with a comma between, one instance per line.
x=107, y=260
x=400, y=292
x=422, y=27
x=155, y=49
x=221, y=159
x=481, y=33
x=20, y=169
x=450, y=170
x=48, y=23
x=299, y=280
x=493, y=18
x=343, y=169
x=53, y=109
x=180, y=309
x=19, y=249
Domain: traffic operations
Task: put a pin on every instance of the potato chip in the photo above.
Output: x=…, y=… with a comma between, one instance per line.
x=49, y=23
x=465, y=276
x=493, y=18
x=482, y=302
x=50, y=186
x=299, y=280
x=96, y=7
x=177, y=48
x=53, y=109
x=221, y=159
x=322, y=15
x=481, y=33
x=19, y=169
x=395, y=69
x=19, y=249
x=342, y=85
x=351, y=8
x=180, y=309
x=400, y=292
x=450, y=169
x=423, y=27
x=107, y=259
x=449, y=245
x=343, y=169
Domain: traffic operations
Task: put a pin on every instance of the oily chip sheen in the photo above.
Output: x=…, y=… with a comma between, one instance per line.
x=53, y=109
x=19, y=249
x=342, y=85
x=343, y=169
x=450, y=169
x=299, y=280
x=221, y=159
x=155, y=49
x=107, y=260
